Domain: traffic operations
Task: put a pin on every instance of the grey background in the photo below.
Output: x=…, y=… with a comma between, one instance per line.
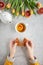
x=34, y=32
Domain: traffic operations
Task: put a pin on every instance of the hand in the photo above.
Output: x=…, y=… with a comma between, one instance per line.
x=13, y=44
x=29, y=46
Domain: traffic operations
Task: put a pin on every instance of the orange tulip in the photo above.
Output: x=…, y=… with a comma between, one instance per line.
x=8, y=5
x=13, y=11
x=39, y=5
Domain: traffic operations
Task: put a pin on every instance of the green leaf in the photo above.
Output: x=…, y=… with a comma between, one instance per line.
x=22, y=4
x=18, y=8
x=16, y=2
x=34, y=12
x=13, y=4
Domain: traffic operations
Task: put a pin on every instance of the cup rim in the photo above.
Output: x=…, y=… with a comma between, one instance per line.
x=16, y=28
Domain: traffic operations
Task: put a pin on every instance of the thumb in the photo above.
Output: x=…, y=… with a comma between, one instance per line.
x=27, y=45
x=15, y=45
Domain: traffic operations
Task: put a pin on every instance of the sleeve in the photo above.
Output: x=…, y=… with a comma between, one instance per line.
x=34, y=62
x=9, y=61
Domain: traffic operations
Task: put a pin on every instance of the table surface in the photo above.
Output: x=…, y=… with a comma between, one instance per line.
x=34, y=32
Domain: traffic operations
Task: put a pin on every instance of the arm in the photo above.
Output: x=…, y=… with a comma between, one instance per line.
x=30, y=49
x=10, y=59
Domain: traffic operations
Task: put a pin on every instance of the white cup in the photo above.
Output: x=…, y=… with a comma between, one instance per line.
x=25, y=24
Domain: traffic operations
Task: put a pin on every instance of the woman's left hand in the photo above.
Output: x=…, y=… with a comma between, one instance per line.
x=13, y=45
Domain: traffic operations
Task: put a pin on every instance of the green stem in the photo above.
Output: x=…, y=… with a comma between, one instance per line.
x=10, y=1
x=22, y=4
x=18, y=8
x=13, y=4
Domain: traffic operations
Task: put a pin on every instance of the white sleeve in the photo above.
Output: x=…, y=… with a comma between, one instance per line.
x=33, y=61
x=10, y=59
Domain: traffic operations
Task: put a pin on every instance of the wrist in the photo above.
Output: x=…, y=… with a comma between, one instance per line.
x=33, y=61
x=11, y=56
x=31, y=57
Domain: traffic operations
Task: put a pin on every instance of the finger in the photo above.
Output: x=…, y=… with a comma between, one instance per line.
x=16, y=40
x=12, y=42
x=27, y=44
x=15, y=45
x=31, y=44
x=24, y=40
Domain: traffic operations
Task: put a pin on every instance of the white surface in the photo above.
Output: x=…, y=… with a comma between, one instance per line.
x=34, y=32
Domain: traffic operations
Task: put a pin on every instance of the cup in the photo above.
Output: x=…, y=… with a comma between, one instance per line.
x=21, y=27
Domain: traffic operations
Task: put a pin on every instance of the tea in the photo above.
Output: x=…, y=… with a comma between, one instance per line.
x=21, y=27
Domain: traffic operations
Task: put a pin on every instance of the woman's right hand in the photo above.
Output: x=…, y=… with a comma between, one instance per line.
x=30, y=47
